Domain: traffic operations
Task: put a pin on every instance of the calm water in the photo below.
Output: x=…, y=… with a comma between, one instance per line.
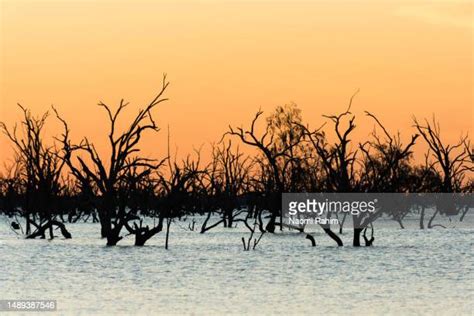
x=408, y=271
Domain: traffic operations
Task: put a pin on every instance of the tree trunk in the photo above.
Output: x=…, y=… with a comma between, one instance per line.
x=271, y=224
x=422, y=218
x=141, y=237
x=113, y=237
x=399, y=221
x=432, y=218
x=205, y=228
x=40, y=232
x=28, y=224
x=113, y=234
x=331, y=234
x=369, y=242
x=281, y=220
x=105, y=226
x=51, y=233
x=311, y=238
x=230, y=219
x=260, y=221
x=466, y=209
x=168, y=223
x=341, y=224
x=356, y=241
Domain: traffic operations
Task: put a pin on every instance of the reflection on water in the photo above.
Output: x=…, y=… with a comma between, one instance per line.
x=408, y=271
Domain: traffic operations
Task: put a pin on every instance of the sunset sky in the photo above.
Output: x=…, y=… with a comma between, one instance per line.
x=225, y=59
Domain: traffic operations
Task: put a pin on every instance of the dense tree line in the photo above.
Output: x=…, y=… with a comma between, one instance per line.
x=51, y=183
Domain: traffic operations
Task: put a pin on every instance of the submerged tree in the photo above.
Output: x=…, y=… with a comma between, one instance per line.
x=133, y=195
x=277, y=145
x=386, y=168
x=338, y=163
x=41, y=168
x=179, y=190
x=450, y=164
x=453, y=161
x=105, y=173
x=227, y=179
x=12, y=193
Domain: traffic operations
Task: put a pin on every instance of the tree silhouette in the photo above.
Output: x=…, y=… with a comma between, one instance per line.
x=41, y=170
x=106, y=172
x=277, y=146
x=454, y=161
x=129, y=194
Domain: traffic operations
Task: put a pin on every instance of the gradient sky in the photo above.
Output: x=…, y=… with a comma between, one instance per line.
x=225, y=59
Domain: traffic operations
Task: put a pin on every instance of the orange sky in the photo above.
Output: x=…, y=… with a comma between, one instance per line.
x=225, y=59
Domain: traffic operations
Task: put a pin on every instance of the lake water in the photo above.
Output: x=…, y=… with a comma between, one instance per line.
x=408, y=271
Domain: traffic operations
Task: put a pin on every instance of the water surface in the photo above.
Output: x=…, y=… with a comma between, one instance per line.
x=408, y=271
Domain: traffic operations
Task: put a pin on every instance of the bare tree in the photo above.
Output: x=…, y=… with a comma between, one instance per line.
x=228, y=175
x=180, y=188
x=11, y=193
x=454, y=161
x=277, y=144
x=386, y=169
x=11, y=187
x=338, y=162
x=106, y=172
x=451, y=162
x=41, y=167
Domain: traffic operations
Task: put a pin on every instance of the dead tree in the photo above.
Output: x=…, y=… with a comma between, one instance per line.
x=41, y=230
x=386, y=161
x=252, y=229
x=451, y=162
x=337, y=162
x=41, y=167
x=11, y=188
x=106, y=171
x=137, y=192
x=454, y=161
x=311, y=238
x=234, y=171
x=179, y=189
x=386, y=167
x=369, y=242
x=424, y=179
x=211, y=187
x=277, y=144
x=227, y=176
